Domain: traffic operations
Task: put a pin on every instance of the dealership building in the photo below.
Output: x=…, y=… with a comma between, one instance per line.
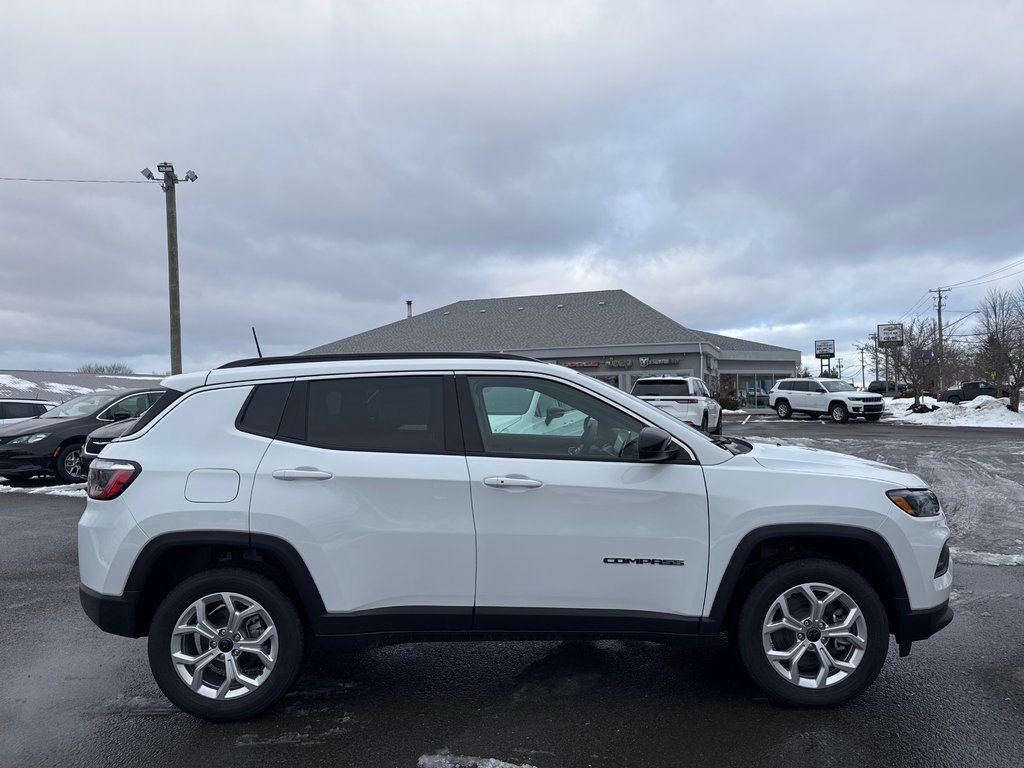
x=610, y=335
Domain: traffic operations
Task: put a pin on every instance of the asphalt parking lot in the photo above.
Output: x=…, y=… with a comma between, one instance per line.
x=73, y=696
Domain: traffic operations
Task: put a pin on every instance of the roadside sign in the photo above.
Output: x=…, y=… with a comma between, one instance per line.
x=890, y=335
x=825, y=349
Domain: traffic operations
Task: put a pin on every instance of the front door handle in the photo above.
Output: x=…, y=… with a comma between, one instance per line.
x=512, y=481
x=301, y=473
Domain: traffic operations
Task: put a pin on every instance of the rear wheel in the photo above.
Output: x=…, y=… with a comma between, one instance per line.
x=704, y=423
x=813, y=633
x=718, y=426
x=783, y=410
x=225, y=644
x=954, y=401
x=68, y=464
x=838, y=413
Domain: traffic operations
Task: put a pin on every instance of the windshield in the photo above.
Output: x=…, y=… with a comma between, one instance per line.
x=838, y=386
x=84, y=405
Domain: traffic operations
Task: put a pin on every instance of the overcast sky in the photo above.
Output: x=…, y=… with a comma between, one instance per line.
x=749, y=169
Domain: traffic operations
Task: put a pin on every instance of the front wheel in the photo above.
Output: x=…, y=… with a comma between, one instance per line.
x=783, y=410
x=68, y=464
x=839, y=414
x=813, y=633
x=718, y=425
x=225, y=644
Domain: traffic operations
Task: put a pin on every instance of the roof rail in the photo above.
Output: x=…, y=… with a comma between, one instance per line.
x=291, y=359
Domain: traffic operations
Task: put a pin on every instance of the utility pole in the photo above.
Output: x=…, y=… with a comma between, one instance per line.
x=862, y=384
x=940, y=291
x=874, y=345
x=173, y=297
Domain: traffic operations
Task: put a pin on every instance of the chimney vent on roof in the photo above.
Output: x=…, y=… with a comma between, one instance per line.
x=560, y=306
x=519, y=309
x=601, y=303
x=482, y=311
x=408, y=307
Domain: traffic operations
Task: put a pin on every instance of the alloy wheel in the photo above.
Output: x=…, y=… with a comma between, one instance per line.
x=224, y=645
x=814, y=635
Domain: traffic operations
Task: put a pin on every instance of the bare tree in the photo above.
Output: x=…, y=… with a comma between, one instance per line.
x=122, y=369
x=915, y=359
x=1002, y=346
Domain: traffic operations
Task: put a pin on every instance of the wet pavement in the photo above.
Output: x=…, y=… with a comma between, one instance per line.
x=73, y=696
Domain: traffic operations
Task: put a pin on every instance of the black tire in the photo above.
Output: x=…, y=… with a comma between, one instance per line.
x=718, y=427
x=783, y=410
x=68, y=464
x=248, y=586
x=954, y=401
x=873, y=417
x=838, y=413
x=704, y=423
x=755, y=613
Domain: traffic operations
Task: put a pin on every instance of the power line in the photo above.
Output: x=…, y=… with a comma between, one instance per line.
x=989, y=274
x=993, y=279
x=77, y=181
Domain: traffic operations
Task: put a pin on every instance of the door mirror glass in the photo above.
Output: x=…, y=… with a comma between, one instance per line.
x=120, y=415
x=552, y=414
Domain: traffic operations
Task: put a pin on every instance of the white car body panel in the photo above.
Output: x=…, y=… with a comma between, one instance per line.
x=388, y=529
x=546, y=547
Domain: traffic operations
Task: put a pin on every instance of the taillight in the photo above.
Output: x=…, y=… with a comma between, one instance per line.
x=690, y=400
x=108, y=478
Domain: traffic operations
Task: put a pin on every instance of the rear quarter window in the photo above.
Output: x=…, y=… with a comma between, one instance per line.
x=262, y=411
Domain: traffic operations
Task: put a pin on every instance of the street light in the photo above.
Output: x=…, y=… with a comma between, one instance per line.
x=172, y=255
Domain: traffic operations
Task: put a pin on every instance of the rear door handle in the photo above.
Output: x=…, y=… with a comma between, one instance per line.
x=301, y=473
x=512, y=482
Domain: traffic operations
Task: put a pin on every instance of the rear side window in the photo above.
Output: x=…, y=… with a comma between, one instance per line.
x=661, y=388
x=261, y=414
x=395, y=414
x=20, y=410
x=162, y=403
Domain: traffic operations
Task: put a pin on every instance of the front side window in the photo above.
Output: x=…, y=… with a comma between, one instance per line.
x=838, y=386
x=399, y=413
x=519, y=416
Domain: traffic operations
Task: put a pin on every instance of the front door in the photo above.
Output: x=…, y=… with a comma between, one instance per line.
x=573, y=531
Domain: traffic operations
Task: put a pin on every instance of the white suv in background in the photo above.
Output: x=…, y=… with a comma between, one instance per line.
x=358, y=501
x=685, y=397
x=816, y=397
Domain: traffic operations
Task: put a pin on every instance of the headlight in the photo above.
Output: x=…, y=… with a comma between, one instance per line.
x=31, y=438
x=917, y=503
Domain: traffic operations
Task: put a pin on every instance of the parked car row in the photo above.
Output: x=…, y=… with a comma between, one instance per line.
x=51, y=443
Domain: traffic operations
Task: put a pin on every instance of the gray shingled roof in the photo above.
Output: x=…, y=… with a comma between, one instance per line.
x=554, y=321
x=741, y=345
x=57, y=386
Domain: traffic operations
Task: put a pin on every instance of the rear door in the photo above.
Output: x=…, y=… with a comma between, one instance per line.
x=368, y=480
x=573, y=531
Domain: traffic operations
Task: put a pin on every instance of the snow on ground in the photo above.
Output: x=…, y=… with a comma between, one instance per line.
x=48, y=490
x=446, y=760
x=983, y=411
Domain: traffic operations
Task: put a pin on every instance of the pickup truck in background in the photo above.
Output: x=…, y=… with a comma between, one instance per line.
x=970, y=390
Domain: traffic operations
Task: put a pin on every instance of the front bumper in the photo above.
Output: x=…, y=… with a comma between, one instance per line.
x=18, y=460
x=920, y=625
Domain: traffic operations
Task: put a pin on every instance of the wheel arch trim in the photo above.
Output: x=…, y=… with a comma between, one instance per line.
x=735, y=570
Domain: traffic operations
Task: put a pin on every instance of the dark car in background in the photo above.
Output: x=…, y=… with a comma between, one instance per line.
x=51, y=444
x=888, y=388
x=970, y=390
x=99, y=438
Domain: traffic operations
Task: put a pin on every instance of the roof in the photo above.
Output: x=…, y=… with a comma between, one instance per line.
x=63, y=385
x=551, y=321
x=741, y=345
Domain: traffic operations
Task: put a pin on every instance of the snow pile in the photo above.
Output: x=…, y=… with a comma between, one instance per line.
x=13, y=382
x=983, y=411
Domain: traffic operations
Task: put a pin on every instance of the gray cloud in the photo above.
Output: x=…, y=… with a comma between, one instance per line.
x=790, y=173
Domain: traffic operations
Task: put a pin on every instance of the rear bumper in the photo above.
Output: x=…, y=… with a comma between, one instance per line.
x=111, y=613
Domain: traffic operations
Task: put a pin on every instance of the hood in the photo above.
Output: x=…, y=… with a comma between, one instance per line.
x=110, y=431
x=787, y=458
x=39, y=424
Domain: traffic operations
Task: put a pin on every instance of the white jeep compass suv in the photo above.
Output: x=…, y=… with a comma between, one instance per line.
x=817, y=397
x=359, y=501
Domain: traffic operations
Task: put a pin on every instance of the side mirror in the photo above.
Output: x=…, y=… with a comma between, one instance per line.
x=120, y=415
x=552, y=414
x=715, y=395
x=656, y=445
